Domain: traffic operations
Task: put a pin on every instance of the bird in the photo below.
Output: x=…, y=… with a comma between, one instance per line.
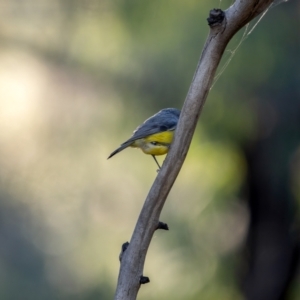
x=155, y=135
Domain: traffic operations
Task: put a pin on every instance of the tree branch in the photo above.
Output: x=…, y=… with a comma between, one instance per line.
x=222, y=29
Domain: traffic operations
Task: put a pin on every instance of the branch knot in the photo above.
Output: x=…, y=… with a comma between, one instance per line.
x=216, y=17
x=144, y=280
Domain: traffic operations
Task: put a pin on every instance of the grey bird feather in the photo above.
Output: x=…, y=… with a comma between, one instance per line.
x=165, y=120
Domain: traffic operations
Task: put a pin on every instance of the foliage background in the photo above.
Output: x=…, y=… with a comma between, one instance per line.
x=76, y=78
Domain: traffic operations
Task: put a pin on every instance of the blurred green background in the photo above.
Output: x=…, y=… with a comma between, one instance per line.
x=76, y=78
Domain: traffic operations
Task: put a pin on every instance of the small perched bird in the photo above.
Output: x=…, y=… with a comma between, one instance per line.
x=155, y=135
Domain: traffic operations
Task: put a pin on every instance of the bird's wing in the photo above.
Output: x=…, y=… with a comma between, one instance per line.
x=152, y=126
x=164, y=120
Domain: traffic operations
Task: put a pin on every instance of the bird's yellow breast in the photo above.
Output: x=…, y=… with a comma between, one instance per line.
x=165, y=137
x=155, y=144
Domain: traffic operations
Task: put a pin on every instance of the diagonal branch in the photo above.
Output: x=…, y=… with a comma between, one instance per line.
x=222, y=29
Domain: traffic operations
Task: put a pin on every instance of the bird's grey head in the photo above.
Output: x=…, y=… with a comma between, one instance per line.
x=173, y=111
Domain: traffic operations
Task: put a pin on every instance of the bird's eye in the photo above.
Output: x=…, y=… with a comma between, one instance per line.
x=154, y=143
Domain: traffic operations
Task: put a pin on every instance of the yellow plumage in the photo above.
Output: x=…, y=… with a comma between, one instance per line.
x=155, y=144
x=155, y=135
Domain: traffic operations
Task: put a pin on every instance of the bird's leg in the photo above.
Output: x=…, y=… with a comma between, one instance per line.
x=156, y=162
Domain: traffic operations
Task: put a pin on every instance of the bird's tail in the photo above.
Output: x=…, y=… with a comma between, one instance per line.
x=122, y=147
